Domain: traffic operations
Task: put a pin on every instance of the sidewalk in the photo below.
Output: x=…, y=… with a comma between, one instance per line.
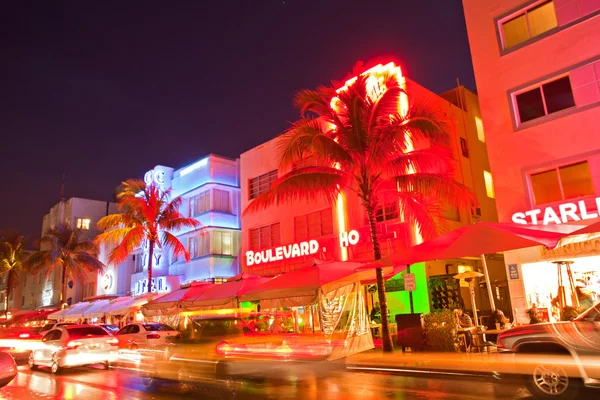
x=483, y=365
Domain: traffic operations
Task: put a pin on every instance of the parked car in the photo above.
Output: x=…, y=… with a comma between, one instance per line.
x=110, y=328
x=571, y=350
x=52, y=325
x=19, y=341
x=8, y=368
x=145, y=334
x=225, y=351
x=74, y=346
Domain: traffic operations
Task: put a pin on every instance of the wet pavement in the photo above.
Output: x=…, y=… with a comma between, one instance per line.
x=92, y=383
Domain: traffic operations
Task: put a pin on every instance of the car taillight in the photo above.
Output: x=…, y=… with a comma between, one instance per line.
x=222, y=348
x=24, y=336
x=153, y=336
x=178, y=336
x=73, y=344
x=113, y=341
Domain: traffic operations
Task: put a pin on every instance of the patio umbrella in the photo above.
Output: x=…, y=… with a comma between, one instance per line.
x=476, y=240
x=471, y=275
x=301, y=287
x=226, y=295
x=588, y=232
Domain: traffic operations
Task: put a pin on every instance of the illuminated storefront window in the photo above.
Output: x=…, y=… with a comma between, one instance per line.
x=562, y=183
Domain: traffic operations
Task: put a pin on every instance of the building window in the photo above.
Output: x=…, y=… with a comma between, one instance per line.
x=551, y=97
x=139, y=262
x=31, y=300
x=562, y=183
x=489, y=184
x=23, y=301
x=528, y=23
x=313, y=225
x=199, y=246
x=221, y=243
x=387, y=213
x=464, y=148
x=480, y=131
x=265, y=237
x=221, y=201
x=83, y=223
x=200, y=203
x=261, y=184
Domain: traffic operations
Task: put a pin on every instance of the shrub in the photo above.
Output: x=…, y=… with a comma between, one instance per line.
x=441, y=331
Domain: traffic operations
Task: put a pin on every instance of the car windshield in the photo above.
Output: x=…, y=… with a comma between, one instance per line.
x=47, y=327
x=157, y=327
x=86, y=331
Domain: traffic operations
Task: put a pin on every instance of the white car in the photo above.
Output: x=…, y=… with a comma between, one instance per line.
x=74, y=346
x=145, y=334
x=53, y=325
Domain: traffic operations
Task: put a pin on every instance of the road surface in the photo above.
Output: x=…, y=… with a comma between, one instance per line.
x=95, y=383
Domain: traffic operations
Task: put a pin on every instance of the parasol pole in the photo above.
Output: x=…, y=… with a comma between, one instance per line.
x=487, y=283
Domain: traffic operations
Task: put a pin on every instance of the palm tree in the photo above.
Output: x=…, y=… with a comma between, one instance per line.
x=63, y=249
x=12, y=256
x=360, y=139
x=147, y=215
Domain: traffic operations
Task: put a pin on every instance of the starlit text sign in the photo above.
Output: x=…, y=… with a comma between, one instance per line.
x=560, y=214
x=296, y=250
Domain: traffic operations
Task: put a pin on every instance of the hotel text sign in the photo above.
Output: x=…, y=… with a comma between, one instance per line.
x=588, y=246
x=560, y=214
x=295, y=250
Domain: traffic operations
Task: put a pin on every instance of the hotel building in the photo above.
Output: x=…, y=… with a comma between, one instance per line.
x=340, y=231
x=537, y=67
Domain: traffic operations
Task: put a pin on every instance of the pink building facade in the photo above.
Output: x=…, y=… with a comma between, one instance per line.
x=537, y=67
x=339, y=231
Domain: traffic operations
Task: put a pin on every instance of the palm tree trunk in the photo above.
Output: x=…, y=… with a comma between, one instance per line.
x=150, y=258
x=385, y=328
x=63, y=286
x=9, y=285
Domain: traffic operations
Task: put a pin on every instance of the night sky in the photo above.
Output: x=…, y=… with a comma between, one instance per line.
x=103, y=91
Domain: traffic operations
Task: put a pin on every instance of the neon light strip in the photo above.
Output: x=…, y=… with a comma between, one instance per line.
x=193, y=167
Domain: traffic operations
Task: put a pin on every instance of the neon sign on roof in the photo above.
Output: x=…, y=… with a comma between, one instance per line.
x=193, y=167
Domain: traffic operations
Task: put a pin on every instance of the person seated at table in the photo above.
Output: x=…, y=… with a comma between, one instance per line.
x=497, y=317
x=463, y=321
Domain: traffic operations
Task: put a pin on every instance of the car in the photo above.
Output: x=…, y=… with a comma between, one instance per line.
x=52, y=325
x=74, y=346
x=19, y=341
x=145, y=334
x=8, y=368
x=224, y=352
x=568, y=354
x=110, y=328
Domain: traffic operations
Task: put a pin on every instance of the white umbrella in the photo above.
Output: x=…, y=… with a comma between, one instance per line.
x=471, y=275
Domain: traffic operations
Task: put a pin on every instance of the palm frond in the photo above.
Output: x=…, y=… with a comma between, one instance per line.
x=308, y=183
x=442, y=187
x=131, y=241
x=431, y=160
x=172, y=244
x=422, y=212
x=315, y=101
x=180, y=223
x=308, y=136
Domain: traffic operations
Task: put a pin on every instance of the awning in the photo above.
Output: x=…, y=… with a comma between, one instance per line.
x=225, y=295
x=170, y=303
x=37, y=315
x=301, y=287
x=60, y=313
x=125, y=306
x=97, y=309
x=75, y=311
x=83, y=312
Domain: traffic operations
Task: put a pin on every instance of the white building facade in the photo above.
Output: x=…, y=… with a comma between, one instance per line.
x=210, y=189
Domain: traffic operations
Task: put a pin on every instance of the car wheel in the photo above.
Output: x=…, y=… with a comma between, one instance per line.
x=31, y=362
x=552, y=382
x=230, y=388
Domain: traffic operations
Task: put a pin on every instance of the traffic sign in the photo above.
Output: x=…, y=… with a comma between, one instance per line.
x=410, y=284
